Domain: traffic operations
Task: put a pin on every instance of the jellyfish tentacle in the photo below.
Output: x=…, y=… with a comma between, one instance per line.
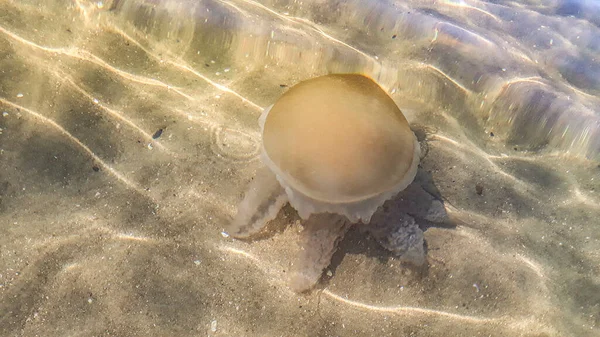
x=262, y=201
x=399, y=233
x=319, y=240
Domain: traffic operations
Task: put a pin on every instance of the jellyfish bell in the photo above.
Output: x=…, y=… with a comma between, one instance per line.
x=338, y=144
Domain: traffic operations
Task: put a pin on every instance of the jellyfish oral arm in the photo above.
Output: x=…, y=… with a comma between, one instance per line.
x=262, y=201
x=319, y=240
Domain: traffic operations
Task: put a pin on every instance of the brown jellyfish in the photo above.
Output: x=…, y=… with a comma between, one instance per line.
x=337, y=147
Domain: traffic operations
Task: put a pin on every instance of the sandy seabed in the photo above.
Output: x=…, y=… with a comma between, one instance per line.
x=122, y=160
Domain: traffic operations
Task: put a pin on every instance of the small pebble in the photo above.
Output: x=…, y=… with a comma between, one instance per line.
x=19, y=95
x=213, y=326
x=4, y=113
x=479, y=189
x=157, y=133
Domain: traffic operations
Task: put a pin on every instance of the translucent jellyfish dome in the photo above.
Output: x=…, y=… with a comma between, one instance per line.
x=339, y=144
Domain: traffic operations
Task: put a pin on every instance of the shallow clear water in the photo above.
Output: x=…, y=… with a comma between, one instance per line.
x=129, y=132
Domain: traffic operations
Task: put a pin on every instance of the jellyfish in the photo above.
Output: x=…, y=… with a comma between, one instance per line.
x=339, y=151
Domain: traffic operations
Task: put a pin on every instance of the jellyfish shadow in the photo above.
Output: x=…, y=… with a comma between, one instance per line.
x=420, y=204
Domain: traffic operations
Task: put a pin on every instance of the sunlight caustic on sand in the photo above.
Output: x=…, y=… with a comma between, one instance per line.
x=307, y=23
x=406, y=310
x=463, y=4
x=161, y=98
x=76, y=141
x=84, y=55
x=114, y=113
x=89, y=57
x=179, y=65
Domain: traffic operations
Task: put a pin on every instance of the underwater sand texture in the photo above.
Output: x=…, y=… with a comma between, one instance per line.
x=110, y=226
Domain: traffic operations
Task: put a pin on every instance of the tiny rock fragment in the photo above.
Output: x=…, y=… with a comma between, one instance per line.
x=479, y=189
x=157, y=133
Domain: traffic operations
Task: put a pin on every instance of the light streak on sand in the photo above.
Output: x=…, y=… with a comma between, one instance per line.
x=114, y=113
x=536, y=267
x=87, y=8
x=463, y=4
x=241, y=11
x=214, y=200
x=79, y=54
x=89, y=57
x=467, y=218
x=71, y=266
x=132, y=237
x=476, y=150
x=215, y=84
x=438, y=71
x=311, y=25
x=77, y=142
x=407, y=310
x=447, y=140
x=449, y=78
x=188, y=69
x=134, y=78
x=585, y=199
x=504, y=86
x=439, y=26
x=64, y=51
x=474, y=236
x=240, y=252
x=535, y=79
x=275, y=277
